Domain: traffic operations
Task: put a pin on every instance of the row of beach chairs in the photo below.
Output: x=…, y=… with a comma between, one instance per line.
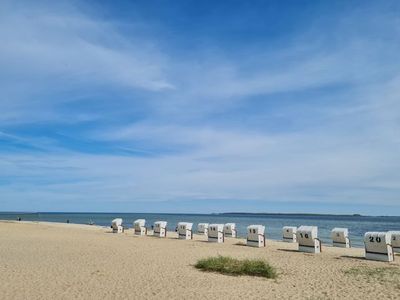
x=378, y=245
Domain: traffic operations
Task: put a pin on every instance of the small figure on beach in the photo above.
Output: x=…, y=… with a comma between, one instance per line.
x=67, y=221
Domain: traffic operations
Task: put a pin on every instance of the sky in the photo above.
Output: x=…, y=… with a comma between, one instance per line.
x=200, y=106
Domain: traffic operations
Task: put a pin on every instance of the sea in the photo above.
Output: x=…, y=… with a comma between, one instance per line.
x=356, y=224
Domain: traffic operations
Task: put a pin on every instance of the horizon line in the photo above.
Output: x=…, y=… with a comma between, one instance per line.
x=193, y=213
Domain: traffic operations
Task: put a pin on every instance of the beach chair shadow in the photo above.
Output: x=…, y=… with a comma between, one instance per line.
x=154, y=236
x=203, y=241
x=290, y=250
x=240, y=244
x=351, y=257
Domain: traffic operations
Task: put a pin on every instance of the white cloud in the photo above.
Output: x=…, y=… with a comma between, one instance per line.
x=52, y=56
x=344, y=147
x=77, y=49
x=234, y=166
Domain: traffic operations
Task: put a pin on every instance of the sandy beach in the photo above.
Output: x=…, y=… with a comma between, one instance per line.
x=69, y=261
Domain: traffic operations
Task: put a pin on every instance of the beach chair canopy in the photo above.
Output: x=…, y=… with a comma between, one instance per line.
x=116, y=222
x=256, y=229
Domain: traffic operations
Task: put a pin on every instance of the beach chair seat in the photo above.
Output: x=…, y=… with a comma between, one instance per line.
x=378, y=246
x=307, y=237
x=340, y=237
x=185, y=231
x=255, y=236
x=116, y=225
x=395, y=240
x=160, y=229
x=230, y=230
x=216, y=233
x=202, y=228
x=139, y=227
x=289, y=234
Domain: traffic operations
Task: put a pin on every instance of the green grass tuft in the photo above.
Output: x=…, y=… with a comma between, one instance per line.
x=231, y=266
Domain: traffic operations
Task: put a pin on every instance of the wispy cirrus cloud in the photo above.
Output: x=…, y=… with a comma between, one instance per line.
x=50, y=56
x=77, y=49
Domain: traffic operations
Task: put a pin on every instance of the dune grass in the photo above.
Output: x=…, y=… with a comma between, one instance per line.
x=383, y=275
x=231, y=266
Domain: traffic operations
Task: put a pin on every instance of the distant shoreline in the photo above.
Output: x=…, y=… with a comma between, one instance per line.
x=295, y=214
x=206, y=214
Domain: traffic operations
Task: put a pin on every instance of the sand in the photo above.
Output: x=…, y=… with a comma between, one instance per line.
x=68, y=261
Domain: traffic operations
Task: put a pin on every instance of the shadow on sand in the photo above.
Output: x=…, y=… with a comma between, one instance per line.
x=240, y=244
x=204, y=241
x=290, y=250
x=351, y=257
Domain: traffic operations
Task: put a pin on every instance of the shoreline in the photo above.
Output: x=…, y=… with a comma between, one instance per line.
x=129, y=230
x=357, y=226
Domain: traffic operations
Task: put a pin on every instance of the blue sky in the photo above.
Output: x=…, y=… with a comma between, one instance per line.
x=200, y=106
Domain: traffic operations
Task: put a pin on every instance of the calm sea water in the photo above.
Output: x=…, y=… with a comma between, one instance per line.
x=357, y=225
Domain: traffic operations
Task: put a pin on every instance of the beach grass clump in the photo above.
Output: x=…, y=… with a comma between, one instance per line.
x=231, y=266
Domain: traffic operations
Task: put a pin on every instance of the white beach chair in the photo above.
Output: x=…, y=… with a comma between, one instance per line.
x=378, y=246
x=116, y=225
x=395, y=238
x=230, y=230
x=139, y=227
x=160, y=229
x=289, y=234
x=255, y=236
x=216, y=233
x=202, y=228
x=340, y=237
x=185, y=231
x=307, y=237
